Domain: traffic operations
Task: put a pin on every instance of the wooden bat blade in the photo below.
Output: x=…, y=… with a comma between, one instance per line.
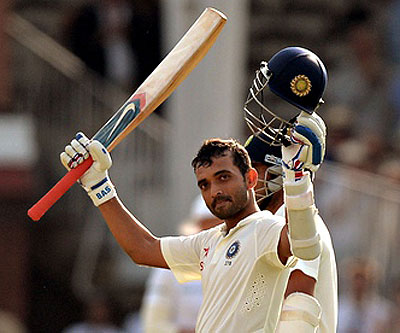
x=174, y=68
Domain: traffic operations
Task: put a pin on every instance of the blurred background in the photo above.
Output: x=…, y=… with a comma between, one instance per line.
x=68, y=65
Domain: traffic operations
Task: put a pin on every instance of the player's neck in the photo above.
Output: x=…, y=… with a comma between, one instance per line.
x=272, y=202
x=275, y=203
x=250, y=209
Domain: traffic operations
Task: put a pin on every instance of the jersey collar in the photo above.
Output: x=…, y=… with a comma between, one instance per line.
x=251, y=218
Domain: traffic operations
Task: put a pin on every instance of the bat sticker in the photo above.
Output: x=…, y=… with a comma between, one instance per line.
x=122, y=119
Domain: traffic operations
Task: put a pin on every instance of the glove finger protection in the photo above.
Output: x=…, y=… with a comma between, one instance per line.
x=95, y=180
x=308, y=144
x=311, y=130
x=80, y=149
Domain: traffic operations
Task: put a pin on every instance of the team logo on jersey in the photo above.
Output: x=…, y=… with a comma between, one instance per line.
x=300, y=85
x=233, y=250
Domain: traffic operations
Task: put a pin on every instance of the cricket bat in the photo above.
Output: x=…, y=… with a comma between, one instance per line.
x=173, y=69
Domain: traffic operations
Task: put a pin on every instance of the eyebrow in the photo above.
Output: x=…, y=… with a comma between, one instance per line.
x=221, y=171
x=201, y=181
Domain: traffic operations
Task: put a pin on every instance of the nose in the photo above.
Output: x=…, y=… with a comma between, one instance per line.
x=216, y=191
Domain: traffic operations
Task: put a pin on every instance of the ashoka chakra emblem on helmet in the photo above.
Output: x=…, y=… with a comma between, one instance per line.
x=300, y=85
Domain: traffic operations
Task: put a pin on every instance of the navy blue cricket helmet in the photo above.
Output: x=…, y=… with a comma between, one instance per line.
x=296, y=75
x=299, y=77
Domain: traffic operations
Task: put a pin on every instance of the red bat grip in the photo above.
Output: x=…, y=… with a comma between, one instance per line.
x=58, y=190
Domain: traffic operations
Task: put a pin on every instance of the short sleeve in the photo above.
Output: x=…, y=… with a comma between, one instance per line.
x=308, y=267
x=268, y=236
x=182, y=255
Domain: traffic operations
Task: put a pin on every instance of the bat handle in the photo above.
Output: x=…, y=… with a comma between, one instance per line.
x=58, y=190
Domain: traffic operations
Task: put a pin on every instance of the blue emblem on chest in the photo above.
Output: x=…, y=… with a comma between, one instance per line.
x=233, y=250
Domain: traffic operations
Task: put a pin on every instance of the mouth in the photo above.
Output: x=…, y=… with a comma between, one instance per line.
x=220, y=202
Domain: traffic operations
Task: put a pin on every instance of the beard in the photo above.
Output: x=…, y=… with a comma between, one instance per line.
x=226, y=206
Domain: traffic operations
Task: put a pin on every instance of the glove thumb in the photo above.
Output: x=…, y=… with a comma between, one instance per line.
x=101, y=157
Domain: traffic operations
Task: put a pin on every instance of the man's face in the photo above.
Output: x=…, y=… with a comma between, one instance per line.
x=223, y=187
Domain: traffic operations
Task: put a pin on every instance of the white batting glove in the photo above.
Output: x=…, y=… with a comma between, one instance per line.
x=95, y=180
x=307, y=150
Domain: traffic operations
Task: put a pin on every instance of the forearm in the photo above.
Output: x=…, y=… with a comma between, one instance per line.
x=301, y=217
x=134, y=238
x=300, y=282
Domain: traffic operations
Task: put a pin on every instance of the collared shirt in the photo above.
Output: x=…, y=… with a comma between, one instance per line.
x=242, y=276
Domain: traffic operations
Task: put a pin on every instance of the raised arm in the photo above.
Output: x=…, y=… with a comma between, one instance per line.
x=299, y=161
x=134, y=238
x=301, y=311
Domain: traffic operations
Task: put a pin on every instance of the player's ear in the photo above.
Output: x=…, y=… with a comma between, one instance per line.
x=251, y=178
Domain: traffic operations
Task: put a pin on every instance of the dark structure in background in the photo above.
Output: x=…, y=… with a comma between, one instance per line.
x=91, y=32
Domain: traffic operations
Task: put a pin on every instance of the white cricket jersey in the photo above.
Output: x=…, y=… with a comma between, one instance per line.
x=323, y=270
x=242, y=277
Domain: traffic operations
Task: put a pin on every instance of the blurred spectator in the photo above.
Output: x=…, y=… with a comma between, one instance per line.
x=360, y=151
x=361, y=308
x=360, y=83
x=167, y=305
x=10, y=323
x=98, y=318
x=340, y=121
x=100, y=34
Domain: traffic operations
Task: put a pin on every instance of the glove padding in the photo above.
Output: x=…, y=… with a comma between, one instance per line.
x=95, y=180
x=308, y=145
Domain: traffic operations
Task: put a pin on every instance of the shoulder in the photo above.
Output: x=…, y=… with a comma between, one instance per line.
x=266, y=219
x=265, y=223
x=210, y=233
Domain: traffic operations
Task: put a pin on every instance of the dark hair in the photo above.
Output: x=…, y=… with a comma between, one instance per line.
x=217, y=147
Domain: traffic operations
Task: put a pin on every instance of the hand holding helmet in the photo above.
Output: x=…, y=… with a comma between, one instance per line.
x=307, y=148
x=298, y=77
